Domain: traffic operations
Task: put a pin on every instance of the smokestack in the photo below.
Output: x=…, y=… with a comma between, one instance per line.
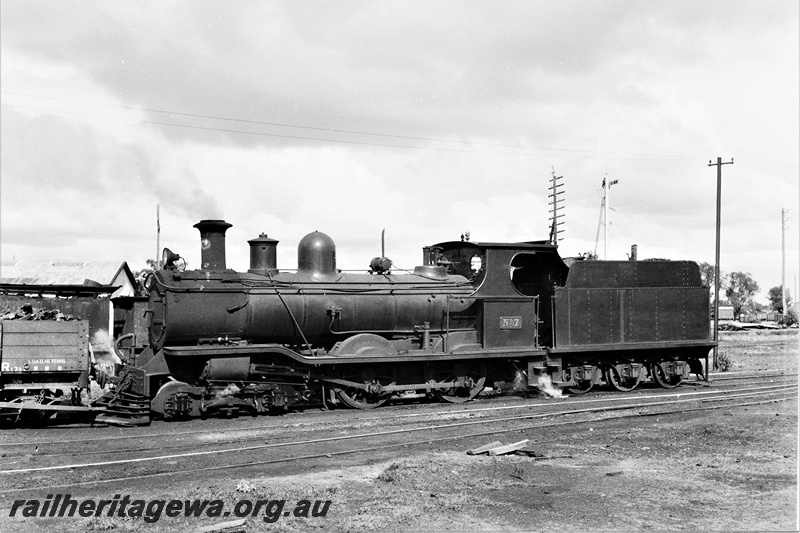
x=212, y=243
x=634, y=252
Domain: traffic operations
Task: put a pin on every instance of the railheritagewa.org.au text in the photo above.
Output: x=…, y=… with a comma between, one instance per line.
x=150, y=511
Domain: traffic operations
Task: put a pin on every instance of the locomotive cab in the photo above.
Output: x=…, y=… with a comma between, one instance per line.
x=516, y=280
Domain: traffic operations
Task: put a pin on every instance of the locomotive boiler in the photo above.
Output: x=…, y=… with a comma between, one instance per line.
x=472, y=315
x=316, y=306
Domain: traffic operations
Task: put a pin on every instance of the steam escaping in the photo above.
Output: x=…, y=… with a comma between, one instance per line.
x=231, y=390
x=102, y=355
x=520, y=381
x=545, y=385
x=101, y=341
x=102, y=351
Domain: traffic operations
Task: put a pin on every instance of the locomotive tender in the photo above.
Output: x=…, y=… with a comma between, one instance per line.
x=472, y=315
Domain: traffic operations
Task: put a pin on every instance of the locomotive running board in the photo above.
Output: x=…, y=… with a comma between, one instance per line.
x=417, y=356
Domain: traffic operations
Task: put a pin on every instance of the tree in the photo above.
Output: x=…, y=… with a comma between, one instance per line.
x=791, y=317
x=775, y=299
x=707, y=274
x=753, y=308
x=707, y=278
x=739, y=290
x=141, y=276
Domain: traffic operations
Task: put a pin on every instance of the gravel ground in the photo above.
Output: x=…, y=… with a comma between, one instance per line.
x=716, y=470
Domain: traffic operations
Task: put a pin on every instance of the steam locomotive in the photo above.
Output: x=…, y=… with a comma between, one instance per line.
x=473, y=315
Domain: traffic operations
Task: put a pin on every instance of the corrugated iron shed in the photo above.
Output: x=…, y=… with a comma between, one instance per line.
x=110, y=274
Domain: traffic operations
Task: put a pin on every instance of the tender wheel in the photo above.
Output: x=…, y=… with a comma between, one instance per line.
x=467, y=383
x=360, y=398
x=581, y=387
x=696, y=367
x=621, y=383
x=662, y=379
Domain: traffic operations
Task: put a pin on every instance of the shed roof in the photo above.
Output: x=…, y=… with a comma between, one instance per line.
x=111, y=274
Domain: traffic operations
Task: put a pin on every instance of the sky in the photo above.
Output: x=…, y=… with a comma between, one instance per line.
x=423, y=119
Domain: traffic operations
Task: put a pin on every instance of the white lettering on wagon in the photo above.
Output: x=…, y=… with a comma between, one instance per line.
x=5, y=366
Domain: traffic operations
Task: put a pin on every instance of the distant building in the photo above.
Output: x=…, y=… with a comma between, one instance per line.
x=725, y=312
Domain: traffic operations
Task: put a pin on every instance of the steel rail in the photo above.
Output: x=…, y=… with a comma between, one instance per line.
x=723, y=396
x=736, y=378
x=381, y=417
x=341, y=437
x=330, y=454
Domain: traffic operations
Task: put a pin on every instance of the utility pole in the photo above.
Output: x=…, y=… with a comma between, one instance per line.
x=555, y=206
x=158, y=237
x=783, y=265
x=718, y=164
x=606, y=196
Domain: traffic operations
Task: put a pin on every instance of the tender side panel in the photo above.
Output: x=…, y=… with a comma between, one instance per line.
x=598, y=274
x=587, y=316
x=630, y=315
x=641, y=302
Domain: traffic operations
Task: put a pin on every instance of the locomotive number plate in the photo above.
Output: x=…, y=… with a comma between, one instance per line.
x=510, y=322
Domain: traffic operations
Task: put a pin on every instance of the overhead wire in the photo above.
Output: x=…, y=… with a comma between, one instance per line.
x=524, y=150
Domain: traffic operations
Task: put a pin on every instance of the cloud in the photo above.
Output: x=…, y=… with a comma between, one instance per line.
x=50, y=152
x=430, y=119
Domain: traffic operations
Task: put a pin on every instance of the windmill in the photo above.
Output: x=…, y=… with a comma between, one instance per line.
x=603, y=221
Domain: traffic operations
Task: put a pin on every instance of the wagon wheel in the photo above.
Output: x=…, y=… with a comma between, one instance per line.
x=474, y=378
x=360, y=398
x=581, y=387
x=618, y=382
x=668, y=382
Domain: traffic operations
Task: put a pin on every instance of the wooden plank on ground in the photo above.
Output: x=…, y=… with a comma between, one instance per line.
x=485, y=448
x=508, y=448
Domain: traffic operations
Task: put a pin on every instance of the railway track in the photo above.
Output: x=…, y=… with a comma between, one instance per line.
x=36, y=465
x=267, y=427
x=720, y=380
x=352, y=419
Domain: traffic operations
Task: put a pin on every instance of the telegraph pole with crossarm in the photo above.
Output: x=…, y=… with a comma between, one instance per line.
x=718, y=164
